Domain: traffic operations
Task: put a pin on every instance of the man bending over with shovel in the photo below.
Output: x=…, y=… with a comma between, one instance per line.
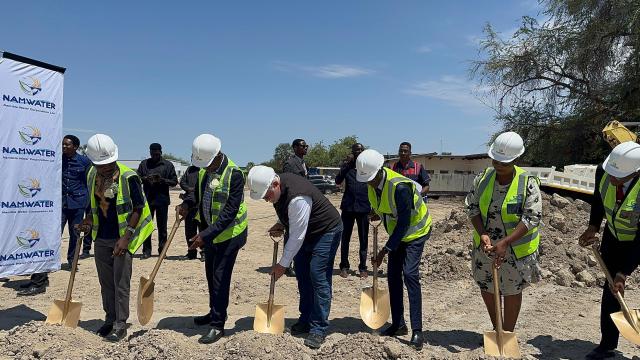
x=120, y=221
x=616, y=196
x=219, y=200
x=315, y=229
x=406, y=218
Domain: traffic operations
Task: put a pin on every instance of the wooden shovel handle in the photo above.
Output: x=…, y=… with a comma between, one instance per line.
x=163, y=254
x=272, y=285
x=74, y=268
x=496, y=299
x=623, y=304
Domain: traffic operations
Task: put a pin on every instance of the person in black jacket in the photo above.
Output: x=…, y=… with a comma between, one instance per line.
x=355, y=208
x=314, y=230
x=295, y=164
x=188, y=183
x=621, y=256
x=157, y=176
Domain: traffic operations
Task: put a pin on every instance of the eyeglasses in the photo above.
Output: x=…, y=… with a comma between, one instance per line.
x=303, y=146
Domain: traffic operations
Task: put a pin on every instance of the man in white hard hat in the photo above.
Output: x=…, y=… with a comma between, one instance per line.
x=219, y=201
x=314, y=229
x=396, y=200
x=616, y=199
x=120, y=221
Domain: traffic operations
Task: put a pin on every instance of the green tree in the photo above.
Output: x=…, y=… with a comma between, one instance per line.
x=559, y=82
x=171, y=157
x=318, y=155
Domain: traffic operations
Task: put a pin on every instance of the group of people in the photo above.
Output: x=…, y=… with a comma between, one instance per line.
x=504, y=206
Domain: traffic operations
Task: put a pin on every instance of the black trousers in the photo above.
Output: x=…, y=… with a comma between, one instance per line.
x=191, y=230
x=348, y=219
x=160, y=213
x=612, y=251
x=219, y=260
x=404, y=264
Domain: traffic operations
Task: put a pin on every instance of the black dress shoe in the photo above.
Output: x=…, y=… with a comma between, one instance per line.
x=600, y=353
x=65, y=267
x=84, y=256
x=202, y=320
x=146, y=255
x=104, y=330
x=4, y=279
x=394, y=330
x=417, y=340
x=300, y=328
x=290, y=272
x=212, y=336
x=116, y=335
x=314, y=341
x=32, y=290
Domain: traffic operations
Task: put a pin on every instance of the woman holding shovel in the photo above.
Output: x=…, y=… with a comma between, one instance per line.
x=505, y=208
x=616, y=197
x=120, y=221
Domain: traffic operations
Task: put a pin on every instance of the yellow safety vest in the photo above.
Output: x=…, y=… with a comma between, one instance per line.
x=219, y=199
x=623, y=221
x=124, y=207
x=512, y=208
x=420, y=223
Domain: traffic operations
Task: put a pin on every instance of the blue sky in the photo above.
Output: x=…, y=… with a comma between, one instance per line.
x=259, y=73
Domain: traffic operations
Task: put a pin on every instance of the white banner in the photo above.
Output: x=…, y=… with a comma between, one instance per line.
x=31, y=163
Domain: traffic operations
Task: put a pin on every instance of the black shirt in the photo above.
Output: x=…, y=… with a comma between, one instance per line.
x=355, y=197
x=108, y=225
x=157, y=193
x=230, y=210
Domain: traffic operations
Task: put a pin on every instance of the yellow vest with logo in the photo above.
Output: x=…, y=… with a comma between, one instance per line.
x=124, y=207
x=219, y=199
x=511, y=211
x=622, y=221
x=420, y=223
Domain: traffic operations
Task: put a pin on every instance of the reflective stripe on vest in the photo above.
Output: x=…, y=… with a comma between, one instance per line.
x=420, y=223
x=124, y=207
x=622, y=222
x=219, y=199
x=511, y=212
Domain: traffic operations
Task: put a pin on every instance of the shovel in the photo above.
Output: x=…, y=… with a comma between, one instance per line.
x=269, y=317
x=499, y=342
x=67, y=312
x=146, y=287
x=628, y=320
x=374, y=302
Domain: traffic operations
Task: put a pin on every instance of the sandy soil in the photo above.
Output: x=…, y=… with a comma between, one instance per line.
x=556, y=322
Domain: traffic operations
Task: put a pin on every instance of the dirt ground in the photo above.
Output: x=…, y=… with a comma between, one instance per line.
x=556, y=322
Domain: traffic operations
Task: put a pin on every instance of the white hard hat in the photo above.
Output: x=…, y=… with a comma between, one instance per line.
x=506, y=147
x=260, y=178
x=367, y=165
x=101, y=149
x=624, y=160
x=204, y=149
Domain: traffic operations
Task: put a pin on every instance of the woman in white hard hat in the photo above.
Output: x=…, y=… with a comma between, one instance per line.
x=505, y=208
x=120, y=221
x=615, y=197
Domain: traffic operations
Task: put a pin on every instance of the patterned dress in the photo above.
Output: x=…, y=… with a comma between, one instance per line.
x=515, y=274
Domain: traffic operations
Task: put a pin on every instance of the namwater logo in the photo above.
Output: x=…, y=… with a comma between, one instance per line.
x=28, y=238
x=29, y=187
x=30, y=85
x=30, y=135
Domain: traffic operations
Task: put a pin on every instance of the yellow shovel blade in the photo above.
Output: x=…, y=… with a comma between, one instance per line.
x=374, y=316
x=625, y=328
x=510, y=348
x=57, y=313
x=261, y=321
x=145, y=300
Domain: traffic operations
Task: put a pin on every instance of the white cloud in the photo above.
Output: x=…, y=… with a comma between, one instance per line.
x=452, y=90
x=423, y=49
x=330, y=71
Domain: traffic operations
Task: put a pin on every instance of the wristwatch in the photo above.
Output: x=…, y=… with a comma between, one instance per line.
x=131, y=229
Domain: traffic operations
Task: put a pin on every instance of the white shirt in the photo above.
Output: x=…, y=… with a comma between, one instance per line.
x=299, y=210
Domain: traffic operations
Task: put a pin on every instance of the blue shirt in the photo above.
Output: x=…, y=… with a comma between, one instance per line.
x=74, y=181
x=356, y=195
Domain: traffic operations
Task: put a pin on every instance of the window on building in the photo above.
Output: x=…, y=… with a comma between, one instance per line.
x=444, y=171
